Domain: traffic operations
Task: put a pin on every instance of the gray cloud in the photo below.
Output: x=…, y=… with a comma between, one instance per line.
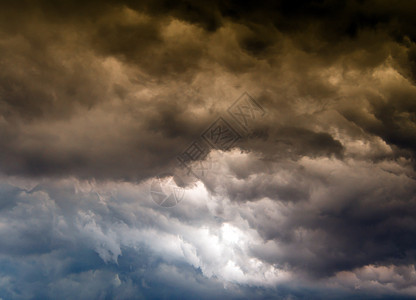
x=97, y=98
x=112, y=235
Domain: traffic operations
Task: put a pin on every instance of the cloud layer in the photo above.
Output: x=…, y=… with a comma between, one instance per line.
x=317, y=200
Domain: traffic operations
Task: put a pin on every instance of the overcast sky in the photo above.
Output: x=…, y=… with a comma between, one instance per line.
x=287, y=132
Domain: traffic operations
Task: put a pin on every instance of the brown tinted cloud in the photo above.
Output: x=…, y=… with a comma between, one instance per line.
x=113, y=91
x=116, y=90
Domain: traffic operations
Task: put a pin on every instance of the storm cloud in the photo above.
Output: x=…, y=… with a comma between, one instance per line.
x=314, y=199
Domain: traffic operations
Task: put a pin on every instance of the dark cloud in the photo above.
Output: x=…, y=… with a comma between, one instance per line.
x=316, y=199
x=113, y=239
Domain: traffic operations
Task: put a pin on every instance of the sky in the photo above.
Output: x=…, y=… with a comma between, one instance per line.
x=207, y=149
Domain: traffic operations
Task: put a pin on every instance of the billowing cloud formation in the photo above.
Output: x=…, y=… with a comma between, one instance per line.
x=112, y=236
x=98, y=97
